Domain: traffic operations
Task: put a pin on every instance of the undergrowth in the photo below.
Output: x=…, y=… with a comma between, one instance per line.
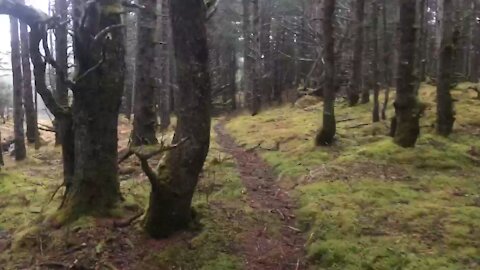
x=364, y=202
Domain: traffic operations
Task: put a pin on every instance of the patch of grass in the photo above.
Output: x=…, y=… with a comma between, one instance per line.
x=366, y=203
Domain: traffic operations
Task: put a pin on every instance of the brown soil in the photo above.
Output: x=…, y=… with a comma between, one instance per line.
x=260, y=250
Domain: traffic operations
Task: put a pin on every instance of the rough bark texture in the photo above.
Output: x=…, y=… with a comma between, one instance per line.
x=30, y=115
x=97, y=98
x=145, y=121
x=19, y=133
x=356, y=83
x=171, y=196
x=449, y=40
x=327, y=134
x=407, y=108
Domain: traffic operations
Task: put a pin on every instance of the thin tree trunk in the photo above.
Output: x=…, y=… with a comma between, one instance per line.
x=375, y=61
x=386, y=64
x=449, y=39
x=256, y=102
x=475, y=55
x=247, y=54
x=131, y=47
x=18, y=113
x=163, y=27
x=327, y=134
x=407, y=109
x=30, y=117
x=356, y=83
x=145, y=121
x=171, y=197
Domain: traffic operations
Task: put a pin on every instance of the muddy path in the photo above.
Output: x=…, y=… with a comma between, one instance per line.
x=260, y=249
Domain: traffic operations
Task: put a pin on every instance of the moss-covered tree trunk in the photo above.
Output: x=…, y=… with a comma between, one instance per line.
x=407, y=108
x=446, y=70
x=18, y=116
x=170, y=200
x=327, y=134
x=97, y=99
x=145, y=121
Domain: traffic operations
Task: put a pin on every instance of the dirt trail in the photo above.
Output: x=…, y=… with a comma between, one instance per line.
x=260, y=250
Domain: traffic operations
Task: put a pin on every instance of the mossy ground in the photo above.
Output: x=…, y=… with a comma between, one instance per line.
x=223, y=216
x=366, y=203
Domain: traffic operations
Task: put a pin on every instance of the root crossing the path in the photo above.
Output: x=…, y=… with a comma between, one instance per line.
x=260, y=250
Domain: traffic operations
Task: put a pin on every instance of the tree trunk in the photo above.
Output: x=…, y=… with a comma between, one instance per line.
x=449, y=39
x=145, y=121
x=247, y=54
x=232, y=76
x=30, y=116
x=170, y=201
x=97, y=99
x=163, y=27
x=407, y=108
x=327, y=134
x=386, y=64
x=256, y=101
x=19, y=134
x=475, y=55
x=130, y=51
x=356, y=83
x=375, y=61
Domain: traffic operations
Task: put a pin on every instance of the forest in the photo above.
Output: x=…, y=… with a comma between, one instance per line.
x=240, y=134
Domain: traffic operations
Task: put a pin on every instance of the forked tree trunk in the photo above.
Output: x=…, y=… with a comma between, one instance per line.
x=145, y=121
x=171, y=200
x=97, y=98
x=446, y=70
x=407, y=109
x=18, y=115
x=30, y=115
x=356, y=83
x=327, y=134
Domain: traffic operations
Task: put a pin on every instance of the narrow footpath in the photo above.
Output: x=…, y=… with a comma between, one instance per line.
x=261, y=251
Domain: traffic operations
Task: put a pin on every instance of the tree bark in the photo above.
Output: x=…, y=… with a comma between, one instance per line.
x=145, y=121
x=449, y=41
x=247, y=54
x=386, y=64
x=97, y=99
x=356, y=83
x=171, y=197
x=327, y=134
x=30, y=115
x=163, y=64
x=130, y=60
x=18, y=113
x=407, y=108
x=375, y=61
x=475, y=55
x=256, y=94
